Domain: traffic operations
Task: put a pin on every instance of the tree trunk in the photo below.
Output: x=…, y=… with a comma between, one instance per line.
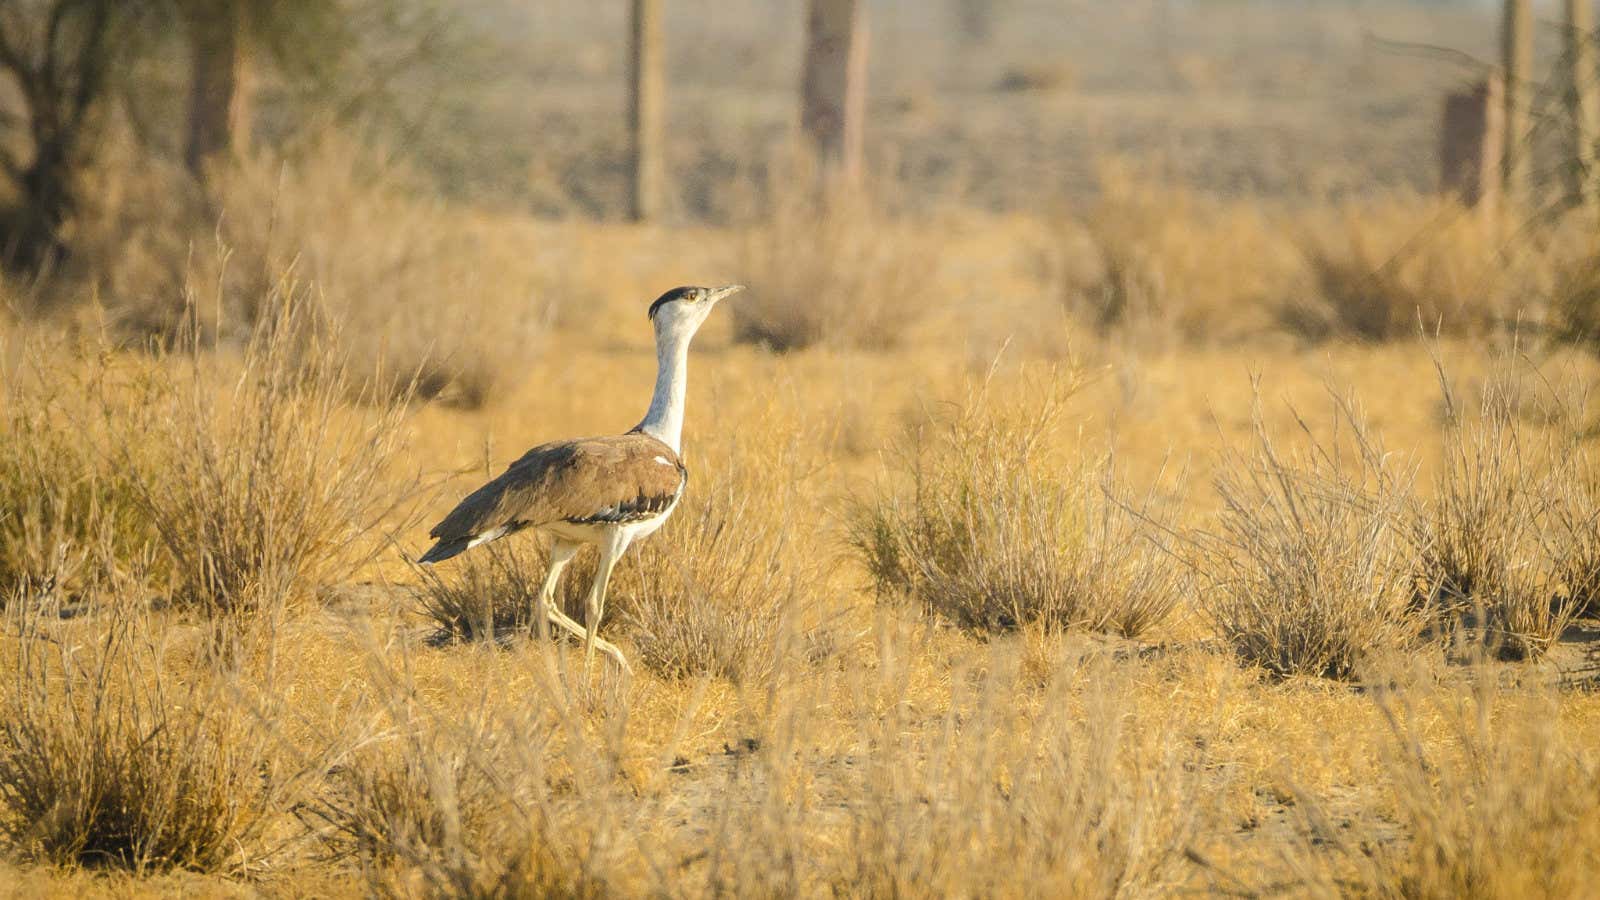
x=1585, y=112
x=60, y=90
x=1516, y=37
x=48, y=200
x=1471, y=139
x=220, y=89
x=833, y=90
x=647, y=174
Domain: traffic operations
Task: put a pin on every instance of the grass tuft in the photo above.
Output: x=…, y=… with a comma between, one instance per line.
x=1306, y=572
x=267, y=487
x=711, y=594
x=980, y=526
x=121, y=750
x=831, y=267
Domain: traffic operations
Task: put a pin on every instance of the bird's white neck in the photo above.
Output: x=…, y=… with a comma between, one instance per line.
x=664, y=420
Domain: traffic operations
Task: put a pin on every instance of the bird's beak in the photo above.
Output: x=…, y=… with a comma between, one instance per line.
x=725, y=291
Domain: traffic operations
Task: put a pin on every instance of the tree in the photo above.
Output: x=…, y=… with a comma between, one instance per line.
x=645, y=89
x=59, y=56
x=833, y=89
x=344, y=51
x=220, y=82
x=1516, y=36
x=1585, y=111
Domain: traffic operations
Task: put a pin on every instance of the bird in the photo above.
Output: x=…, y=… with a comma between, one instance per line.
x=606, y=491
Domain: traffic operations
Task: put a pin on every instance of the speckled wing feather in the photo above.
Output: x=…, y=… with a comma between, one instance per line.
x=620, y=479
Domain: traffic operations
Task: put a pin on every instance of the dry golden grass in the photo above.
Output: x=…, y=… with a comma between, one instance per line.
x=1502, y=543
x=1175, y=265
x=786, y=735
x=490, y=594
x=271, y=488
x=979, y=524
x=65, y=508
x=420, y=297
x=128, y=743
x=831, y=267
x=1307, y=570
x=1167, y=264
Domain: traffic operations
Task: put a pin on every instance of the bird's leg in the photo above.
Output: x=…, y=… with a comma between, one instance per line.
x=561, y=553
x=610, y=550
x=578, y=631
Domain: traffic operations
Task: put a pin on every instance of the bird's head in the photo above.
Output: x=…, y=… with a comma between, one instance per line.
x=680, y=311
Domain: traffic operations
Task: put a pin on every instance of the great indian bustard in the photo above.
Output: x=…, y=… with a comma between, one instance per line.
x=605, y=491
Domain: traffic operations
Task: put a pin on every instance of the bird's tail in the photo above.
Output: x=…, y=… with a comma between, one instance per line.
x=443, y=550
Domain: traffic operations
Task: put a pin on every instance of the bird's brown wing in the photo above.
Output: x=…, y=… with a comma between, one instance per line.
x=592, y=481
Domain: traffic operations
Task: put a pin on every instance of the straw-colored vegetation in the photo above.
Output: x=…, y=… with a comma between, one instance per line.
x=1307, y=571
x=980, y=524
x=1159, y=543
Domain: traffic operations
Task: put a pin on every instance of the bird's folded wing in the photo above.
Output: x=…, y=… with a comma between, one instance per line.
x=593, y=480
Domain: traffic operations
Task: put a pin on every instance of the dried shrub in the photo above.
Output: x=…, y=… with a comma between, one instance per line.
x=1098, y=800
x=983, y=529
x=65, y=508
x=121, y=750
x=710, y=595
x=1039, y=76
x=1376, y=270
x=1307, y=570
x=494, y=590
x=479, y=801
x=1476, y=831
x=1573, y=541
x=399, y=275
x=412, y=798
x=830, y=267
x=1576, y=300
x=1173, y=264
x=267, y=487
x=1487, y=566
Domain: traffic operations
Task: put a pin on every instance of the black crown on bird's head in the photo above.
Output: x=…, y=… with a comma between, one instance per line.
x=688, y=294
x=692, y=295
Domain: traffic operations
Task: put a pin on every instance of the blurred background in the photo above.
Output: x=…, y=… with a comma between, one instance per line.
x=1161, y=172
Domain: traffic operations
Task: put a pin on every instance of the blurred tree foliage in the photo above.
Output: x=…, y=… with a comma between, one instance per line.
x=64, y=62
x=59, y=57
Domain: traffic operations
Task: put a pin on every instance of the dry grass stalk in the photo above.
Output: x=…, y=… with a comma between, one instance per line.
x=712, y=593
x=1081, y=794
x=1490, y=559
x=1574, y=541
x=273, y=488
x=399, y=274
x=1307, y=571
x=1477, y=832
x=122, y=750
x=493, y=591
x=63, y=504
x=991, y=534
x=1503, y=804
x=480, y=801
x=1173, y=264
